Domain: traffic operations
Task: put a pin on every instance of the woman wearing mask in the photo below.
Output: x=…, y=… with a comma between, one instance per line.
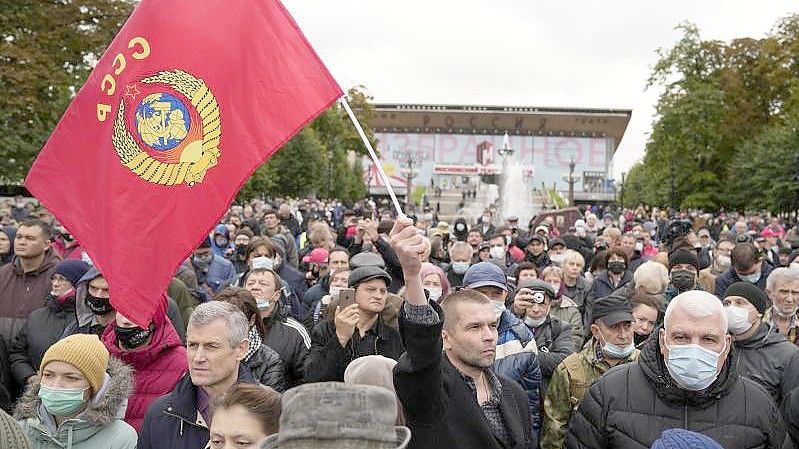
x=244, y=416
x=78, y=399
x=434, y=281
x=156, y=355
x=646, y=316
x=614, y=277
x=262, y=360
x=45, y=326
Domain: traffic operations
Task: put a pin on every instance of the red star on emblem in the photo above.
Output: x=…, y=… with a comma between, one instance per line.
x=131, y=91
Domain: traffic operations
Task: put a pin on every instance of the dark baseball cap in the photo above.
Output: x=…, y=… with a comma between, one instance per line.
x=535, y=238
x=485, y=274
x=537, y=285
x=364, y=274
x=612, y=310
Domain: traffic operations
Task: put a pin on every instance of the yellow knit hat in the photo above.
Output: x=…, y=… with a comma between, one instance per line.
x=85, y=352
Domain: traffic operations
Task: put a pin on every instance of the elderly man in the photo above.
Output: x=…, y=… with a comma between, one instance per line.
x=782, y=287
x=460, y=258
x=766, y=356
x=216, y=343
x=612, y=345
x=450, y=395
x=685, y=377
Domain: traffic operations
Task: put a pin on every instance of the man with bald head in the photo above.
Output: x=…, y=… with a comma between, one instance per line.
x=685, y=378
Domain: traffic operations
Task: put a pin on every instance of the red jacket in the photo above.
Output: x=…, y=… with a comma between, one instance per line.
x=157, y=367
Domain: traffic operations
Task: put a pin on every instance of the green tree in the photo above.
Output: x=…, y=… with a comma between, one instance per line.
x=318, y=159
x=718, y=100
x=47, y=48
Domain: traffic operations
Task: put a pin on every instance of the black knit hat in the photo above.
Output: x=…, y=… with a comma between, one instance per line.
x=682, y=256
x=751, y=292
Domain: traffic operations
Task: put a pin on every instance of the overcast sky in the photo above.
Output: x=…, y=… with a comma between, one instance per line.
x=567, y=53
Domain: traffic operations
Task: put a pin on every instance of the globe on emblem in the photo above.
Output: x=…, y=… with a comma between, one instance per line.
x=162, y=121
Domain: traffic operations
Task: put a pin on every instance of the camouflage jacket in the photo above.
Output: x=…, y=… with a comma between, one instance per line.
x=566, y=389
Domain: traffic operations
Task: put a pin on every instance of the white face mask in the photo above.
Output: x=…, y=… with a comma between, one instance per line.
x=557, y=258
x=534, y=322
x=737, y=319
x=262, y=262
x=499, y=307
x=497, y=252
x=724, y=261
x=435, y=293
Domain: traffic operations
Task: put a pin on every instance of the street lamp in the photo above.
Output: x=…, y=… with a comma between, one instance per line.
x=571, y=183
x=506, y=152
x=622, y=190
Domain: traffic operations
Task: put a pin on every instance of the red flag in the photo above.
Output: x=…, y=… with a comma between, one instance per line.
x=188, y=100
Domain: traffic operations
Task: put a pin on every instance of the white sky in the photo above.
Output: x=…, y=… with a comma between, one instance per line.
x=565, y=53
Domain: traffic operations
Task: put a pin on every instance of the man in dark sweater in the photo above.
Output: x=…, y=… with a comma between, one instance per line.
x=454, y=399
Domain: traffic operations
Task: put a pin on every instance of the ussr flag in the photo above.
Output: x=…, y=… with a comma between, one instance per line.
x=187, y=101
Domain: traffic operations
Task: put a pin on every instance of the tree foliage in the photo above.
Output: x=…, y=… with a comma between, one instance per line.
x=47, y=48
x=324, y=159
x=720, y=103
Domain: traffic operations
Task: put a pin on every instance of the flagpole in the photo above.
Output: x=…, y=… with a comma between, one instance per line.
x=373, y=155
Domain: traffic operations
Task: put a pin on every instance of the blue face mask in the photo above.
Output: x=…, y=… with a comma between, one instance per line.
x=616, y=351
x=460, y=267
x=750, y=278
x=61, y=402
x=692, y=366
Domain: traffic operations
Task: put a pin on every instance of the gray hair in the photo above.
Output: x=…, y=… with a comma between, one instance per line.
x=651, y=277
x=780, y=276
x=460, y=247
x=235, y=321
x=697, y=304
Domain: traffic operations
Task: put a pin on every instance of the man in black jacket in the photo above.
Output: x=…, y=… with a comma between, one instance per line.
x=355, y=331
x=454, y=400
x=216, y=343
x=686, y=377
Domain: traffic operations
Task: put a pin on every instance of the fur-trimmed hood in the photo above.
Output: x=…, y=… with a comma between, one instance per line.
x=109, y=404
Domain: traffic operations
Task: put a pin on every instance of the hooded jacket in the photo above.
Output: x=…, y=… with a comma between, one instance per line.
x=98, y=426
x=631, y=405
x=730, y=277
x=86, y=323
x=157, y=367
x=768, y=358
x=22, y=293
x=43, y=327
x=11, y=233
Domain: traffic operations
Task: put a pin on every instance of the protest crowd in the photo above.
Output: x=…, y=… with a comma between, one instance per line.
x=302, y=322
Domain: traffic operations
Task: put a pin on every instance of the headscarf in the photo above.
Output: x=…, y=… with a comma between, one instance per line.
x=428, y=269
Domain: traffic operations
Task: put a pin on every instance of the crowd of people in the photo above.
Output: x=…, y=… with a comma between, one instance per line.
x=307, y=323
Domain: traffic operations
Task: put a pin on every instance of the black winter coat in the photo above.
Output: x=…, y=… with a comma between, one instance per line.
x=771, y=360
x=632, y=404
x=441, y=410
x=43, y=327
x=291, y=341
x=173, y=422
x=790, y=413
x=6, y=384
x=554, y=341
x=267, y=368
x=328, y=359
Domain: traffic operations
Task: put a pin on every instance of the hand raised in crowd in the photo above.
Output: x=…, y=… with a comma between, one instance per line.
x=345, y=321
x=408, y=245
x=522, y=301
x=370, y=228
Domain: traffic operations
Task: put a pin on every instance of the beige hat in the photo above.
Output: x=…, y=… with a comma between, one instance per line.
x=83, y=351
